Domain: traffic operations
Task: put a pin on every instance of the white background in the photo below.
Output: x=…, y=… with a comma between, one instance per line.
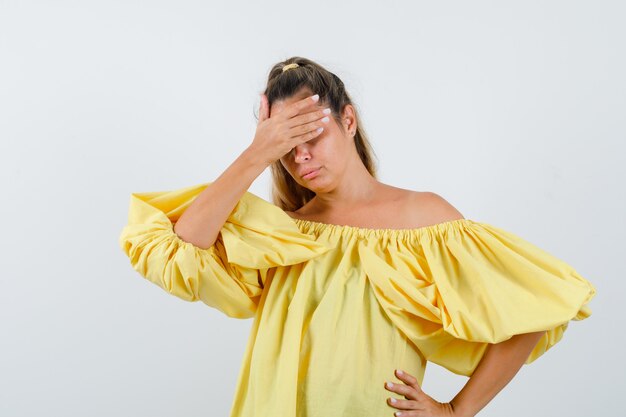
x=512, y=111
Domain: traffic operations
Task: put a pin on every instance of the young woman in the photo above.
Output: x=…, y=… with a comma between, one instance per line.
x=352, y=283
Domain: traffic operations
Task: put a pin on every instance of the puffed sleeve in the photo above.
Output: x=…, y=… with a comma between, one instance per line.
x=229, y=275
x=454, y=288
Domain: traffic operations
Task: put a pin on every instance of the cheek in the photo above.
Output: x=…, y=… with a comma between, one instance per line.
x=285, y=164
x=288, y=167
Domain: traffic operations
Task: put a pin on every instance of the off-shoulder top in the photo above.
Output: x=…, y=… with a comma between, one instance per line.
x=337, y=308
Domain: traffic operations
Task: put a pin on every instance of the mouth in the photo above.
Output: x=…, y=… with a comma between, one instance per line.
x=309, y=173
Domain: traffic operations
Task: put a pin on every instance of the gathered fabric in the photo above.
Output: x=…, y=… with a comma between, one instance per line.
x=337, y=308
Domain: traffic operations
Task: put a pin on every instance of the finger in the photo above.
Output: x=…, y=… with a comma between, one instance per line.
x=408, y=379
x=263, y=109
x=409, y=392
x=317, y=114
x=308, y=131
x=306, y=134
x=295, y=108
x=404, y=404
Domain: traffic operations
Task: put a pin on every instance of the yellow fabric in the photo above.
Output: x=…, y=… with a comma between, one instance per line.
x=337, y=308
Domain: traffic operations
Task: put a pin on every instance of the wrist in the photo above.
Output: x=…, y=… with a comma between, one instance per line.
x=458, y=410
x=253, y=159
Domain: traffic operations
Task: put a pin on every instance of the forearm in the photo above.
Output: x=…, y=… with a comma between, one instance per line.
x=202, y=221
x=498, y=366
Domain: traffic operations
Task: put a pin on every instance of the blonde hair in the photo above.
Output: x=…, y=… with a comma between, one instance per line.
x=286, y=192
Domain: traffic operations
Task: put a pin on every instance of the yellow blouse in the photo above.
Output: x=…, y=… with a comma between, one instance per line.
x=337, y=308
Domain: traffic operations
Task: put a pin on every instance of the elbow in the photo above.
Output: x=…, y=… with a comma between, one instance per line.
x=189, y=237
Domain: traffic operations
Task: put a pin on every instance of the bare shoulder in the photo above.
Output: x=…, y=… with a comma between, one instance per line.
x=432, y=208
x=394, y=208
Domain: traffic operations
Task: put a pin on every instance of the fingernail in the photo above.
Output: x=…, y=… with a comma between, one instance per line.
x=393, y=400
x=397, y=413
x=399, y=372
x=316, y=97
x=389, y=385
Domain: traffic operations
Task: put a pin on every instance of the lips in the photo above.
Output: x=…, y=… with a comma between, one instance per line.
x=308, y=171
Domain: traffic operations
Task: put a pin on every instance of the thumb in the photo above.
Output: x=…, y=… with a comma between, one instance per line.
x=263, y=109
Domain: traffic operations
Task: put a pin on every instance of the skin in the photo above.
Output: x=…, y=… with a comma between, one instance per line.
x=496, y=369
x=346, y=193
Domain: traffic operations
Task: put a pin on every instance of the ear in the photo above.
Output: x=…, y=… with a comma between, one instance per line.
x=348, y=120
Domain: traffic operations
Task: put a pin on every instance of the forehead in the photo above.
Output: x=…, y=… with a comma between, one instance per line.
x=279, y=105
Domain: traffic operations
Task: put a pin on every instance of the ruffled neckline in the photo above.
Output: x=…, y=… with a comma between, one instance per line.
x=316, y=227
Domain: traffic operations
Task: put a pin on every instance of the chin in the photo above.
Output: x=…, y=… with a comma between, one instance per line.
x=317, y=184
x=320, y=187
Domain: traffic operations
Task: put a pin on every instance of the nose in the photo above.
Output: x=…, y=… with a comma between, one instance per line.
x=302, y=154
